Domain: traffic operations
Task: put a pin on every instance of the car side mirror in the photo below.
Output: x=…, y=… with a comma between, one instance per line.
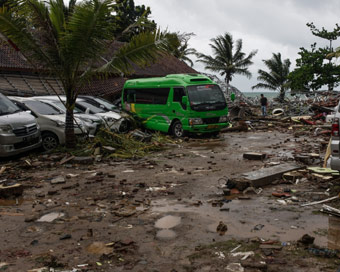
x=184, y=100
x=87, y=111
x=232, y=96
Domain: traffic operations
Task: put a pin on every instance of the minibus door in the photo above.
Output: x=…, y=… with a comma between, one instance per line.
x=178, y=109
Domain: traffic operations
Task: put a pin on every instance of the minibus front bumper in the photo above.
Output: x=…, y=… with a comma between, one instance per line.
x=205, y=128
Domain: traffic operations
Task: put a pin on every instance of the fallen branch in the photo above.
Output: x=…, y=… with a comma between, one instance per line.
x=319, y=202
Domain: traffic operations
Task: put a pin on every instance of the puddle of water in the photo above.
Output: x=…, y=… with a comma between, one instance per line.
x=168, y=222
x=209, y=145
x=285, y=223
x=11, y=202
x=166, y=234
x=50, y=217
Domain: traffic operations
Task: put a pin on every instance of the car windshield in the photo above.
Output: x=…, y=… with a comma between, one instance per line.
x=61, y=106
x=41, y=108
x=93, y=109
x=7, y=106
x=206, y=97
x=105, y=103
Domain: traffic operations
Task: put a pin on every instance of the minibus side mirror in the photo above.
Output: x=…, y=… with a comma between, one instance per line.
x=232, y=96
x=184, y=100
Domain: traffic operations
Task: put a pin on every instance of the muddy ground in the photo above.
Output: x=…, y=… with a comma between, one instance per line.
x=165, y=212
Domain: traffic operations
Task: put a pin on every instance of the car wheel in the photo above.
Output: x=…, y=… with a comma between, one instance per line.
x=49, y=141
x=124, y=127
x=177, y=129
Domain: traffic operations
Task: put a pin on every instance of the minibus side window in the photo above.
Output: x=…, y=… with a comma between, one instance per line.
x=147, y=96
x=178, y=94
x=129, y=96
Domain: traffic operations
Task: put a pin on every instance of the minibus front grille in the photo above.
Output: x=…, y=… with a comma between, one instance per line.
x=27, y=130
x=212, y=120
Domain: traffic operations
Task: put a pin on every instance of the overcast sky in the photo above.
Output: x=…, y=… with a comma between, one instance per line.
x=270, y=26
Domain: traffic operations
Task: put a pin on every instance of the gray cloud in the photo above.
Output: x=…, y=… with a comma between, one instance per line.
x=270, y=26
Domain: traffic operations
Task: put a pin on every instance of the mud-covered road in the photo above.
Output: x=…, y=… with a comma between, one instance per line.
x=164, y=212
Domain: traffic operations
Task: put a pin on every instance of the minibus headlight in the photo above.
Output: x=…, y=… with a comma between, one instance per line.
x=195, y=121
x=6, y=129
x=223, y=119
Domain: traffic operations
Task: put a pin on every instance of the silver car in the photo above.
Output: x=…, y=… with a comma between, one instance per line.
x=91, y=122
x=335, y=140
x=50, y=120
x=19, y=130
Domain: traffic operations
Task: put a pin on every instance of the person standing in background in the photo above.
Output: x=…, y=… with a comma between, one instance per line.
x=264, y=104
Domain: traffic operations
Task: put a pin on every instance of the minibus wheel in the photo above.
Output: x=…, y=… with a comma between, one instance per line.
x=49, y=141
x=177, y=129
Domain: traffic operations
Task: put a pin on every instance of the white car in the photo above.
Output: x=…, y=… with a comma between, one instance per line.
x=112, y=120
x=91, y=122
x=19, y=131
x=50, y=120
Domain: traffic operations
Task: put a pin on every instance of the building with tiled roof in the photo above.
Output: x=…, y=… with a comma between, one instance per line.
x=18, y=77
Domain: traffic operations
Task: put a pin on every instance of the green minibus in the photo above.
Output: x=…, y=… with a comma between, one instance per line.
x=177, y=103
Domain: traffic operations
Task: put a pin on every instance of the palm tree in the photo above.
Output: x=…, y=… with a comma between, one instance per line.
x=228, y=58
x=71, y=41
x=277, y=77
x=178, y=46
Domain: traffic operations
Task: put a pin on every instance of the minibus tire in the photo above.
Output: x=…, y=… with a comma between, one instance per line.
x=49, y=141
x=177, y=129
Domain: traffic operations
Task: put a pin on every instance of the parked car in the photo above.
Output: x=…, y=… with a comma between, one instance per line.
x=19, y=130
x=335, y=140
x=100, y=103
x=51, y=121
x=112, y=120
x=91, y=122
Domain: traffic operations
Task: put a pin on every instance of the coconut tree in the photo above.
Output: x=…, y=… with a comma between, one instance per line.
x=227, y=59
x=277, y=77
x=70, y=42
x=178, y=45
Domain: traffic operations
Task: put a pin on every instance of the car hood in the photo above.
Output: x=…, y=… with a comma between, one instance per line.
x=88, y=116
x=60, y=117
x=17, y=119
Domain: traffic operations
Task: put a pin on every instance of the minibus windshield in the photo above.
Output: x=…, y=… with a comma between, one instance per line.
x=206, y=97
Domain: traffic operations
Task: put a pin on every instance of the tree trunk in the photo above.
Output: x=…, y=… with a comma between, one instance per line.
x=70, y=138
x=227, y=83
x=282, y=94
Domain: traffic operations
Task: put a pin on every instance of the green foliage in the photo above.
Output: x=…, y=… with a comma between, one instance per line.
x=323, y=33
x=127, y=14
x=68, y=41
x=277, y=77
x=313, y=70
x=178, y=45
x=228, y=58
